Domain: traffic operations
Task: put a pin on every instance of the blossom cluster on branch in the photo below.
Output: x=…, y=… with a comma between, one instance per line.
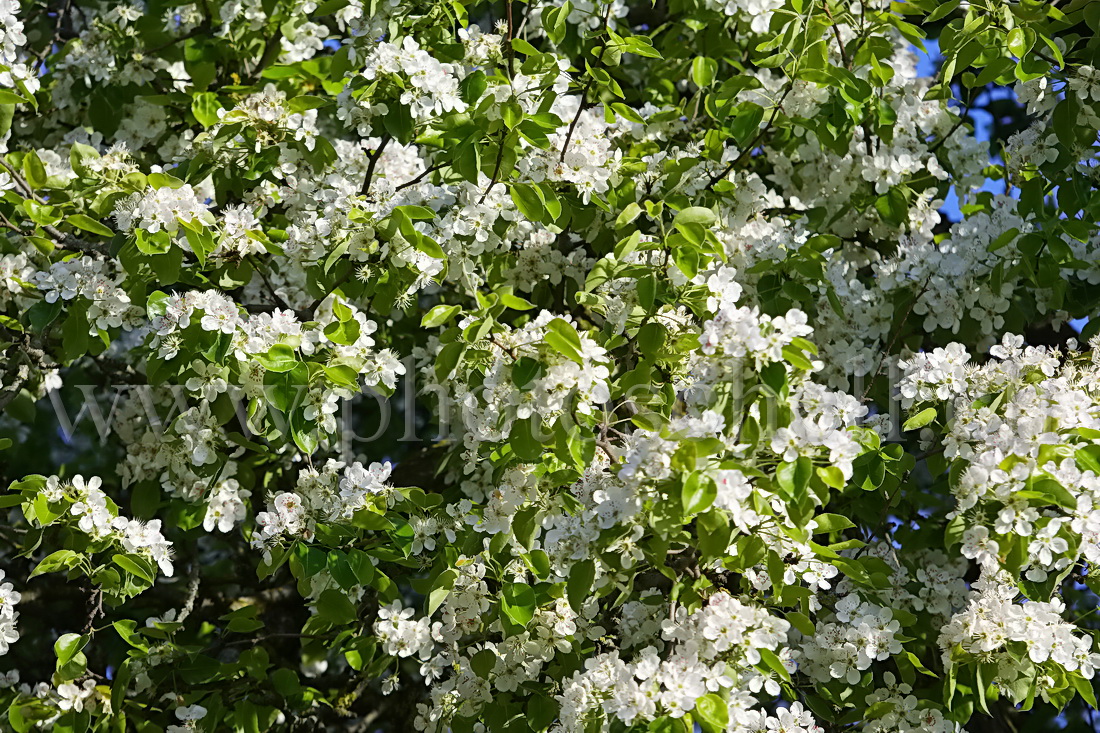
x=698, y=407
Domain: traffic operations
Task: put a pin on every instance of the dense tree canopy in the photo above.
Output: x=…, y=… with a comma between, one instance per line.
x=575, y=366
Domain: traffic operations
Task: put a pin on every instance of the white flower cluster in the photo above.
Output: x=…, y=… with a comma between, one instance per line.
x=745, y=332
x=861, y=633
x=9, y=599
x=98, y=517
x=589, y=160
x=951, y=275
x=993, y=621
x=932, y=582
x=332, y=494
x=161, y=209
x=447, y=652
x=433, y=86
x=518, y=486
x=304, y=42
x=715, y=649
x=563, y=383
x=237, y=224
x=481, y=48
x=257, y=333
x=12, y=40
x=11, y=32
x=905, y=712
x=97, y=280
x=400, y=634
x=188, y=717
x=16, y=272
x=269, y=114
x=757, y=12
x=226, y=507
x=1009, y=419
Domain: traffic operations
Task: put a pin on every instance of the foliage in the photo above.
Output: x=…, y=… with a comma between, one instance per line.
x=646, y=284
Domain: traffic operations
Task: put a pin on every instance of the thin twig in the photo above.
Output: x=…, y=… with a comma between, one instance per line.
x=199, y=30
x=576, y=118
x=312, y=309
x=267, y=283
x=496, y=169
x=21, y=183
x=271, y=52
x=374, y=162
x=265, y=637
x=959, y=123
x=756, y=141
x=894, y=338
x=95, y=608
x=418, y=179
x=584, y=92
x=192, y=594
x=61, y=15
x=511, y=34
x=836, y=33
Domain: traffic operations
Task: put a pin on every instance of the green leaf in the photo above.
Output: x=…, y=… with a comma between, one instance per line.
x=554, y=22
x=55, y=561
x=1017, y=42
x=711, y=713
x=796, y=358
x=279, y=358
x=524, y=526
x=135, y=565
x=306, y=102
x=441, y=588
x=89, y=224
x=343, y=332
x=7, y=113
x=794, y=477
x=335, y=607
x=917, y=664
x=922, y=418
x=79, y=155
x=698, y=494
x=483, y=662
x=515, y=302
x=145, y=500
x=801, y=622
x=832, y=523
x=563, y=338
x=703, y=71
x=629, y=213
x=42, y=214
x=695, y=215
x=831, y=476
x=518, y=602
x=1084, y=688
x=439, y=315
x=579, y=585
x=528, y=201
x=772, y=661
x=205, y=106
x=201, y=241
x=538, y=562
x=68, y=646
x=542, y=711
x=627, y=113
x=33, y=170
x=42, y=314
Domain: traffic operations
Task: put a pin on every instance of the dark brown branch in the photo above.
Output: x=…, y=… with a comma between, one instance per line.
x=374, y=162
x=756, y=141
x=419, y=178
